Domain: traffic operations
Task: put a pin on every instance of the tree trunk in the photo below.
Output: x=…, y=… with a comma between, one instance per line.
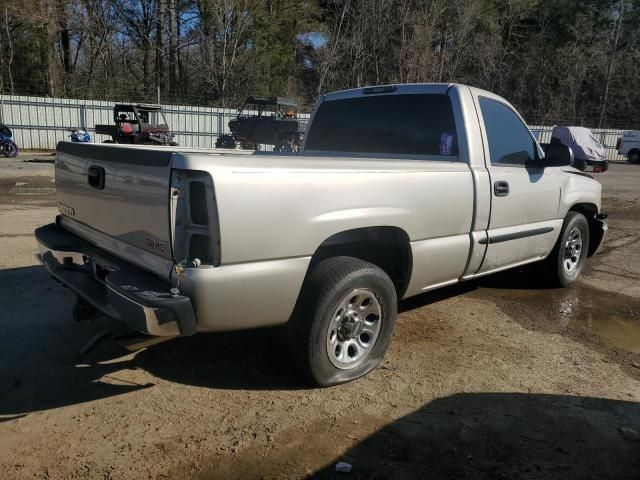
x=160, y=15
x=65, y=43
x=146, y=80
x=46, y=61
x=612, y=57
x=181, y=78
x=173, y=46
x=9, y=61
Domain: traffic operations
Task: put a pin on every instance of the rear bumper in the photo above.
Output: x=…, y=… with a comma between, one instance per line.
x=114, y=287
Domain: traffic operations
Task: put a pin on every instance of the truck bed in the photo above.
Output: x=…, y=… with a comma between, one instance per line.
x=270, y=206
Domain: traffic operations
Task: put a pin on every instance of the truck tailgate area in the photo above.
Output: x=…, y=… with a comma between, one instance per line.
x=119, y=191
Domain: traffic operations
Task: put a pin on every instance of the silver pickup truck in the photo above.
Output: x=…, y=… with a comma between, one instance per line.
x=399, y=190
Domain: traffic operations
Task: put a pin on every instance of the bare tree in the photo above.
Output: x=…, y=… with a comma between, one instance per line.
x=173, y=46
x=612, y=57
x=224, y=34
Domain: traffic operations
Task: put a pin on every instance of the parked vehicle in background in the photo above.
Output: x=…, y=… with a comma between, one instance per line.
x=398, y=190
x=629, y=145
x=587, y=150
x=275, y=122
x=80, y=135
x=7, y=145
x=141, y=124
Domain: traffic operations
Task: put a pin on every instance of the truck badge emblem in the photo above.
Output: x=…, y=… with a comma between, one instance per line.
x=66, y=210
x=156, y=244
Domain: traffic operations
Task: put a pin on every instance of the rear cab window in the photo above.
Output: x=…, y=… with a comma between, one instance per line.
x=403, y=125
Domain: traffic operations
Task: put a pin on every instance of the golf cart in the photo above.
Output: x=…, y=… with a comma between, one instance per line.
x=141, y=124
x=587, y=150
x=274, y=123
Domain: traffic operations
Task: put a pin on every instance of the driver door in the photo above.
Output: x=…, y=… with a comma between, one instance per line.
x=525, y=197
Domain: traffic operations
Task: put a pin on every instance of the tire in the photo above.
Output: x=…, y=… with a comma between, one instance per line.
x=330, y=345
x=562, y=270
x=580, y=164
x=225, y=141
x=10, y=150
x=634, y=156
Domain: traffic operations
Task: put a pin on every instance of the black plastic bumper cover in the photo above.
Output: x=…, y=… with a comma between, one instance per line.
x=598, y=232
x=114, y=287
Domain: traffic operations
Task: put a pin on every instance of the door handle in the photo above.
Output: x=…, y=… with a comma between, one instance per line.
x=95, y=177
x=501, y=189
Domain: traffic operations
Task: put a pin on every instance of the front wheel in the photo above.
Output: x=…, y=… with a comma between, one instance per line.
x=634, y=156
x=566, y=262
x=343, y=322
x=10, y=149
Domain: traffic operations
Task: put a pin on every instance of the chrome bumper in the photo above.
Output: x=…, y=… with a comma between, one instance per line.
x=117, y=289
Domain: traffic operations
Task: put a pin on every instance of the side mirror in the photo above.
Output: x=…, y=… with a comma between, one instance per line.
x=557, y=155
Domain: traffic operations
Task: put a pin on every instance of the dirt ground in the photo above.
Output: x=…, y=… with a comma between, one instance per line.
x=498, y=378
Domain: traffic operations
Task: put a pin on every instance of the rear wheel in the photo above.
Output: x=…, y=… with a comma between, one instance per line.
x=343, y=322
x=10, y=149
x=634, y=156
x=565, y=263
x=226, y=141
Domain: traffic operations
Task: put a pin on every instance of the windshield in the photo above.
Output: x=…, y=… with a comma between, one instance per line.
x=152, y=118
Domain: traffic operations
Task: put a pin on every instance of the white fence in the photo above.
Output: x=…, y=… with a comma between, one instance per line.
x=41, y=122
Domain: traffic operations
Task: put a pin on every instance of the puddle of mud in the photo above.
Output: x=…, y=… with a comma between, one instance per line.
x=613, y=318
x=33, y=189
x=41, y=160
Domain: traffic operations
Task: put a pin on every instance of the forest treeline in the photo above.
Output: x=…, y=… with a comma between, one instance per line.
x=569, y=61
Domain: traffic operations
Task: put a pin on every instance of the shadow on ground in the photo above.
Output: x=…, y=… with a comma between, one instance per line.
x=497, y=435
x=41, y=366
x=40, y=363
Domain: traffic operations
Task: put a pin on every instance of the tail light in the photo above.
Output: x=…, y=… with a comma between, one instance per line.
x=194, y=218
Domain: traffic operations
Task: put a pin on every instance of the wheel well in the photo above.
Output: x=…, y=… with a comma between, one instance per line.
x=589, y=210
x=385, y=247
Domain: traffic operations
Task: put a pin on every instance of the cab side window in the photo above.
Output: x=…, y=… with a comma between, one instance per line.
x=510, y=143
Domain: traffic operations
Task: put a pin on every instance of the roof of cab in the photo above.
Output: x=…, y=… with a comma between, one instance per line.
x=409, y=88
x=398, y=88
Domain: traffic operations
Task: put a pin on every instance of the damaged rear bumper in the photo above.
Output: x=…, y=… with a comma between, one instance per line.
x=114, y=287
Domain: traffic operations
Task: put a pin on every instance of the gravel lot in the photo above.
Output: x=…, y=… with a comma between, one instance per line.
x=498, y=378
